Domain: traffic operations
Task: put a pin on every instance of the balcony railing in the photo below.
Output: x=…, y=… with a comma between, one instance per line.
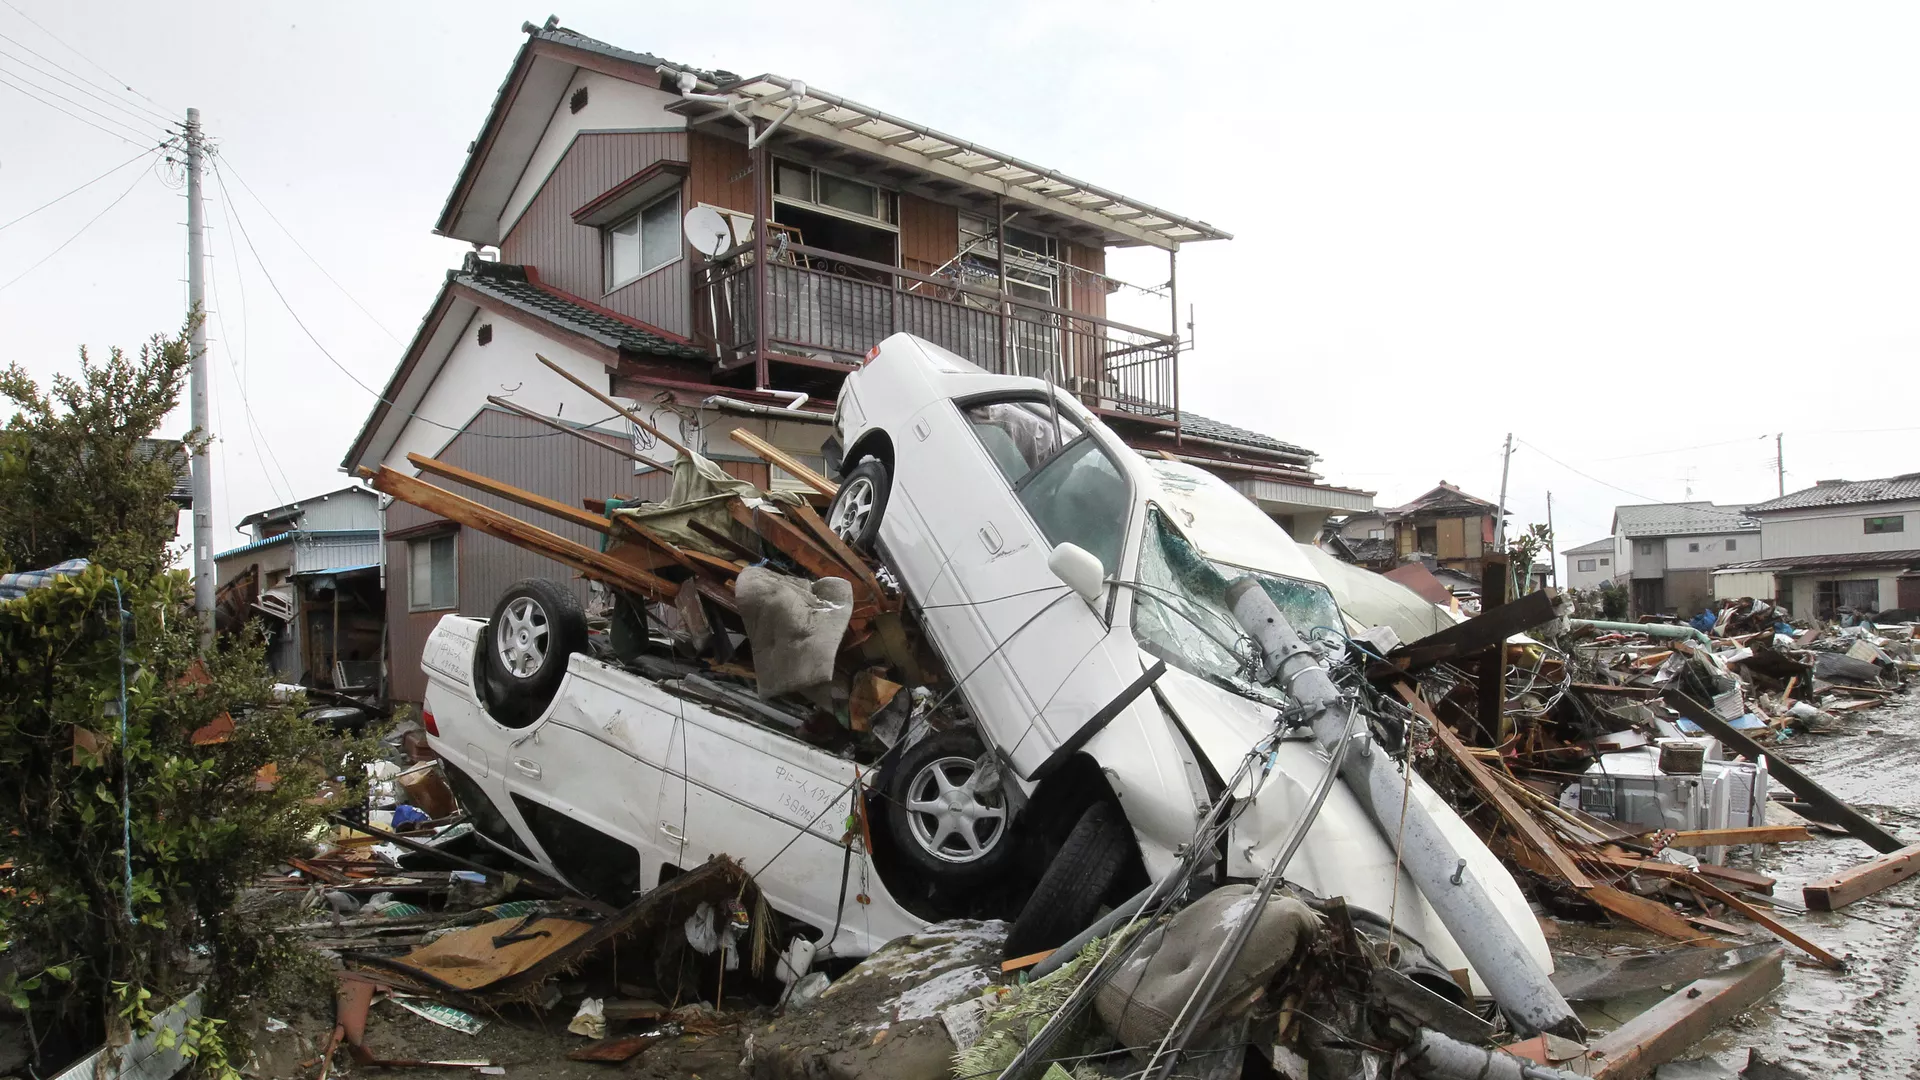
x=825, y=305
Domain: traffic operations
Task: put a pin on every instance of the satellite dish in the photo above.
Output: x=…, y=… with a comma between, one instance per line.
x=708, y=231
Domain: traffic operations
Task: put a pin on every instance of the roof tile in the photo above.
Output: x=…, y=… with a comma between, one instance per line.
x=1842, y=492
x=510, y=284
x=1681, y=519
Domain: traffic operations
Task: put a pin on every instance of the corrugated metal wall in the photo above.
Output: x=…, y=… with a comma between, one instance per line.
x=568, y=256
x=548, y=463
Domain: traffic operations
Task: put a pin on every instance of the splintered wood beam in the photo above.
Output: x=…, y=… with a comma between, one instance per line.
x=1793, y=779
x=841, y=550
x=1649, y=914
x=783, y=534
x=510, y=493
x=1489, y=786
x=1774, y=926
x=1665, y=1031
x=785, y=460
x=1478, y=633
x=720, y=538
x=485, y=519
x=603, y=399
x=1759, y=834
x=665, y=546
x=566, y=429
x=1833, y=893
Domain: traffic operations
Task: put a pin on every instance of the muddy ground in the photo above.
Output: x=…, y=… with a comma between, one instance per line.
x=1862, y=1023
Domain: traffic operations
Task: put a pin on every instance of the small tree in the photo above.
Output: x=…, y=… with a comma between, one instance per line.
x=76, y=480
x=1521, y=553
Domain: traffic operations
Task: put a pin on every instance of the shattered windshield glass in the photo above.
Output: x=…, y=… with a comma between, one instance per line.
x=1180, y=610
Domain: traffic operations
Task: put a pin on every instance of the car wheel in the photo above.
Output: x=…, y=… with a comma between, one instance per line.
x=1076, y=882
x=857, y=506
x=536, y=625
x=941, y=819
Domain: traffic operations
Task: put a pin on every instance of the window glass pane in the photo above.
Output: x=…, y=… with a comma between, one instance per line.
x=445, y=575
x=848, y=195
x=660, y=233
x=1019, y=435
x=1080, y=498
x=1733, y=544
x=1586, y=566
x=623, y=251
x=419, y=575
x=793, y=182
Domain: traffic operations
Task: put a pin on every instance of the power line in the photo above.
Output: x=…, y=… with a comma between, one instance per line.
x=25, y=75
x=261, y=457
x=27, y=93
x=92, y=90
x=75, y=191
x=303, y=250
x=76, y=235
x=1644, y=498
x=56, y=37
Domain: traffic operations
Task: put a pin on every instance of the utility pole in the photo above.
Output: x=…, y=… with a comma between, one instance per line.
x=1500, y=523
x=202, y=466
x=1780, y=460
x=1553, y=560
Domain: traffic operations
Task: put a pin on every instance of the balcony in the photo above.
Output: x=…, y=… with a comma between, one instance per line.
x=827, y=307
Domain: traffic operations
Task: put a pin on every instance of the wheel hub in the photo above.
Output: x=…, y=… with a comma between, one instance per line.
x=949, y=818
x=523, y=637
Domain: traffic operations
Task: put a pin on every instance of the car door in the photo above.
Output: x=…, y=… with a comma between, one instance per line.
x=1032, y=478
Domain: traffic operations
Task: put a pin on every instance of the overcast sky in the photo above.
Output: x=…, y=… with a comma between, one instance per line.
x=1642, y=237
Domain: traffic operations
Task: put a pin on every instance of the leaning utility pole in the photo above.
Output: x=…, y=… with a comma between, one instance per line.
x=197, y=390
x=1780, y=460
x=1500, y=523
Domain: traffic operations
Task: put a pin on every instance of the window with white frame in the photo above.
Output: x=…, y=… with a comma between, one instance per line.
x=645, y=242
x=1585, y=566
x=835, y=194
x=433, y=575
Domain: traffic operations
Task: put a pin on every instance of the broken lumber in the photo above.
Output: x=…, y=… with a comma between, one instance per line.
x=598, y=523
x=566, y=429
x=1477, y=634
x=1774, y=926
x=780, y=531
x=1663, y=1032
x=506, y=527
x=1503, y=800
x=678, y=447
x=787, y=462
x=1758, y=834
x=1796, y=781
x=805, y=516
x=1836, y=892
x=1650, y=914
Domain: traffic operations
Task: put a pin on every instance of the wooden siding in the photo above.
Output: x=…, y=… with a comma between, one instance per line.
x=929, y=234
x=569, y=257
x=719, y=172
x=557, y=466
x=756, y=473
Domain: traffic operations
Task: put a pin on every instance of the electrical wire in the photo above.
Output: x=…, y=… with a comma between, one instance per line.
x=260, y=456
x=1646, y=498
x=76, y=116
x=63, y=246
x=84, y=88
x=77, y=190
x=25, y=73
x=56, y=37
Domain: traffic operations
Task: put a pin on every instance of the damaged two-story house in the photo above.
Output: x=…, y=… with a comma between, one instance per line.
x=720, y=251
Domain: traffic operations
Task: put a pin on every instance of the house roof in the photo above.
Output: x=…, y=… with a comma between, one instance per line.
x=1845, y=492
x=271, y=541
x=1680, y=519
x=1602, y=546
x=1367, y=549
x=1444, y=496
x=293, y=508
x=1861, y=559
x=1196, y=426
x=147, y=449
x=544, y=67
x=520, y=287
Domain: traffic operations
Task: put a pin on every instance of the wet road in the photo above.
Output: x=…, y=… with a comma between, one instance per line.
x=1864, y=1022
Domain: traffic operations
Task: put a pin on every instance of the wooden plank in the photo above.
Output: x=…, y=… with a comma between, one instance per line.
x=1796, y=781
x=723, y=540
x=841, y=550
x=667, y=547
x=1026, y=961
x=1649, y=914
x=786, y=461
x=1510, y=809
x=1610, y=688
x=1663, y=1032
x=1490, y=697
x=782, y=533
x=1779, y=929
x=485, y=519
x=1759, y=834
x=1478, y=633
x=510, y=493
x=712, y=562
x=566, y=429
x=603, y=399
x=1833, y=893
x=1745, y=879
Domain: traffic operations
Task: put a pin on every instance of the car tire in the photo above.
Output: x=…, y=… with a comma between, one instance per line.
x=948, y=831
x=859, y=504
x=536, y=626
x=1075, y=884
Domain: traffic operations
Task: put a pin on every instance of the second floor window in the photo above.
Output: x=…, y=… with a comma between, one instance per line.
x=1586, y=566
x=1894, y=524
x=644, y=242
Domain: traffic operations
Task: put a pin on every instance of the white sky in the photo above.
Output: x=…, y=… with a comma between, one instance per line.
x=1640, y=236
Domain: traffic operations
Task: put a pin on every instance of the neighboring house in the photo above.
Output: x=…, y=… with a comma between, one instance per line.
x=1375, y=554
x=1670, y=551
x=1590, y=566
x=313, y=573
x=1452, y=526
x=721, y=252
x=1838, y=545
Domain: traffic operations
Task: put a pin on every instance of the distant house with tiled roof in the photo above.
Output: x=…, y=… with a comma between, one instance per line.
x=720, y=252
x=1669, y=551
x=1456, y=528
x=1592, y=565
x=1837, y=546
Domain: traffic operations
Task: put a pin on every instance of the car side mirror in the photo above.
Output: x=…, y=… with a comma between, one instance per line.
x=1080, y=569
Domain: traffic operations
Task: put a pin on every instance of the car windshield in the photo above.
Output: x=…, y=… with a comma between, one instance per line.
x=1180, y=610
